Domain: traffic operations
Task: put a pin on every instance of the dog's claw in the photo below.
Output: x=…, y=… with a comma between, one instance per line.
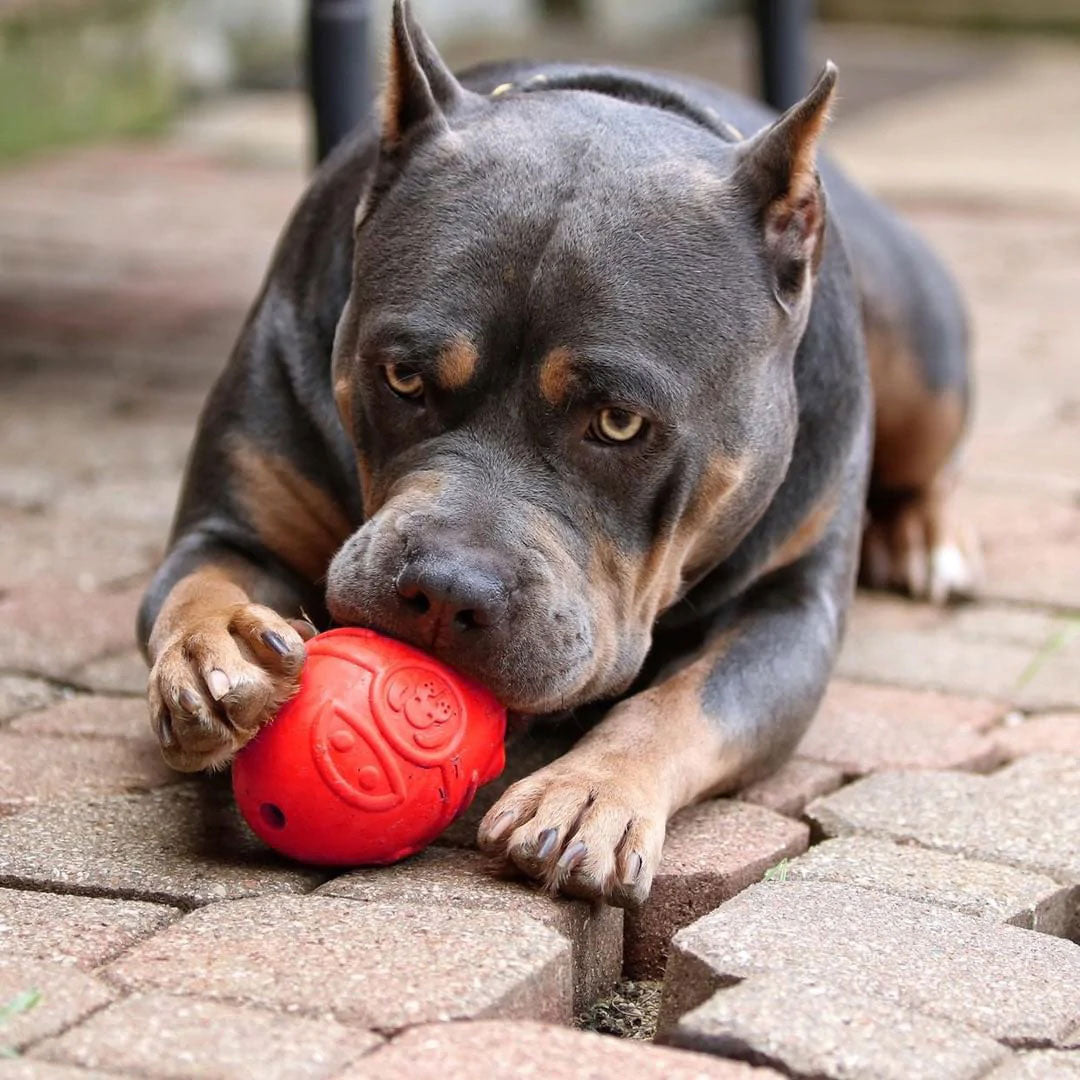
x=571, y=858
x=190, y=701
x=548, y=840
x=275, y=641
x=584, y=831
x=500, y=827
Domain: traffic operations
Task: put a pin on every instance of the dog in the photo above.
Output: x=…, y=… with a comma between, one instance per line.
x=597, y=385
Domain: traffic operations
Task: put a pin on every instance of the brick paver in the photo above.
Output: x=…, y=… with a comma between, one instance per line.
x=162, y=1036
x=1014, y=985
x=461, y=879
x=52, y=630
x=382, y=966
x=861, y=729
x=184, y=845
x=25, y=1069
x=1052, y=733
x=806, y=1027
x=83, y=554
x=1030, y=545
x=93, y=716
x=500, y=1051
x=81, y=930
x=40, y=770
x=119, y=673
x=712, y=851
x=793, y=785
x=66, y=995
x=983, y=651
x=1023, y=816
x=21, y=693
x=1040, y=1065
x=989, y=890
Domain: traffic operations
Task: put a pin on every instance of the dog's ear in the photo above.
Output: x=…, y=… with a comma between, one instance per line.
x=776, y=171
x=420, y=90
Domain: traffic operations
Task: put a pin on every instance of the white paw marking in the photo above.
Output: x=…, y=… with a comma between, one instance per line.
x=951, y=573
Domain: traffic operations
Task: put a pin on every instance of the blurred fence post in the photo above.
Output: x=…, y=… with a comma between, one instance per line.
x=339, y=68
x=783, y=27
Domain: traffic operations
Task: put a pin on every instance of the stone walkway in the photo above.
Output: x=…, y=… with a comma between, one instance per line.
x=901, y=900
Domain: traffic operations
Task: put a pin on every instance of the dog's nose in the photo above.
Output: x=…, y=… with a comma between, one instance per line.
x=452, y=592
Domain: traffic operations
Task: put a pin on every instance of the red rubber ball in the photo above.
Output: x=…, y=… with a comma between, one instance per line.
x=379, y=751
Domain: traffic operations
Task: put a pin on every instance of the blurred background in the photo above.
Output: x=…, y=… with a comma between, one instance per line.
x=151, y=150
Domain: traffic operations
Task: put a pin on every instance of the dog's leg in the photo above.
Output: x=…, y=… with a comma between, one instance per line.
x=919, y=366
x=221, y=623
x=266, y=502
x=593, y=822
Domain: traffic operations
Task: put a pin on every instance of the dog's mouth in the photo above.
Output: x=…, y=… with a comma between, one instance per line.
x=532, y=668
x=484, y=595
x=555, y=695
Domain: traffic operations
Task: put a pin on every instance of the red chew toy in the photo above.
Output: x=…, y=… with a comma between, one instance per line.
x=376, y=755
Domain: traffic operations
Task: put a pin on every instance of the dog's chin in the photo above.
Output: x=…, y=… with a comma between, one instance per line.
x=527, y=694
x=564, y=693
x=528, y=689
x=543, y=696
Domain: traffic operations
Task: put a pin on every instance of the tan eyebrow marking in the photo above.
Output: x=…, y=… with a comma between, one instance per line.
x=556, y=375
x=457, y=363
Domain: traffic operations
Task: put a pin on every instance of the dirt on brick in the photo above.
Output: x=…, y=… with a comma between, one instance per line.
x=630, y=1011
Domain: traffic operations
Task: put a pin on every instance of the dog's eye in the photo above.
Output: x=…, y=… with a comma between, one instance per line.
x=405, y=381
x=616, y=425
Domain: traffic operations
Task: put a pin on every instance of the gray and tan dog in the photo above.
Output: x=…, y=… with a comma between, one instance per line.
x=562, y=379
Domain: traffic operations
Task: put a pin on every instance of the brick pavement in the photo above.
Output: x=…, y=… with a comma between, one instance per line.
x=447, y=877
x=1018, y=986
x=921, y=913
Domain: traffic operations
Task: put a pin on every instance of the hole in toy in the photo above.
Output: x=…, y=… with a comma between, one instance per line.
x=273, y=815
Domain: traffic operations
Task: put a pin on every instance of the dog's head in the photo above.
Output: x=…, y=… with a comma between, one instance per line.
x=566, y=364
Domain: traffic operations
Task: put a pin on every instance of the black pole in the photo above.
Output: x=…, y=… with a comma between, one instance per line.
x=782, y=32
x=339, y=68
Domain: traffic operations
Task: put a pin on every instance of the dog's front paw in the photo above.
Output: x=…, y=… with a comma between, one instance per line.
x=218, y=680
x=586, y=830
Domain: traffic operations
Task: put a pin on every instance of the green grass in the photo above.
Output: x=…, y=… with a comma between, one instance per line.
x=70, y=80
x=777, y=872
x=1069, y=628
x=19, y=1004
